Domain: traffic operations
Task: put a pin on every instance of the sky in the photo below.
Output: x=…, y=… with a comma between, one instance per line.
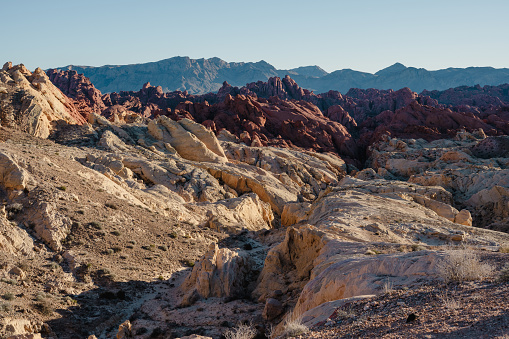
x=366, y=35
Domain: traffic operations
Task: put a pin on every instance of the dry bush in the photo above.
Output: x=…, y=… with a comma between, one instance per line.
x=293, y=325
x=503, y=276
x=449, y=301
x=463, y=265
x=242, y=331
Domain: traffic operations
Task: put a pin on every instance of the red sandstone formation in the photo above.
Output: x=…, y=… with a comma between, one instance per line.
x=279, y=112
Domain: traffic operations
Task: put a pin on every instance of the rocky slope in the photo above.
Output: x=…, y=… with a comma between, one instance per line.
x=199, y=76
x=138, y=223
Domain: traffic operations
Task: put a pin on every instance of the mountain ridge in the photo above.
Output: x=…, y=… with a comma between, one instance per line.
x=199, y=76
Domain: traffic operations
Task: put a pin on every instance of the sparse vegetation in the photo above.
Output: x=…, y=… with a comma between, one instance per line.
x=45, y=307
x=96, y=225
x=503, y=276
x=9, y=296
x=40, y=296
x=449, y=301
x=387, y=287
x=5, y=307
x=463, y=265
x=189, y=262
x=293, y=325
x=116, y=249
x=241, y=331
x=62, y=188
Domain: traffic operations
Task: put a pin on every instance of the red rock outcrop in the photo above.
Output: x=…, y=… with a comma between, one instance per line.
x=280, y=113
x=421, y=121
x=78, y=87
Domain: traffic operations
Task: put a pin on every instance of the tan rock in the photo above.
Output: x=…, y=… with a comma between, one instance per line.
x=124, y=330
x=204, y=135
x=295, y=213
x=12, y=176
x=41, y=103
x=365, y=275
x=219, y=273
x=50, y=225
x=186, y=143
x=464, y=218
x=291, y=260
x=14, y=240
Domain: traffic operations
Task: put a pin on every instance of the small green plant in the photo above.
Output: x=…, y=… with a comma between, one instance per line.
x=160, y=277
x=62, y=188
x=9, y=296
x=189, y=262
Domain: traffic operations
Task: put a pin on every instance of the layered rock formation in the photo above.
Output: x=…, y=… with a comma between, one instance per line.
x=31, y=102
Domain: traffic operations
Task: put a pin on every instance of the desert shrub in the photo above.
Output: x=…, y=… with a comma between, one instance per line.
x=241, y=331
x=5, y=307
x=96, y=225
x=62, y=188
x=449, y=301
x=40, y=296
x=463, y=265
x=293, y=325
x=387, y=287
x=45, y=307
x=503, y=276
x=8, y=296
x=189, y=262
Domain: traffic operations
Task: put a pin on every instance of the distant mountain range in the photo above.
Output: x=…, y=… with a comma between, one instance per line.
x=199, y=76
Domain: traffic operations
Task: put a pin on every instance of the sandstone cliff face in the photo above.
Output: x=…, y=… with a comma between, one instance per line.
x=32, y=103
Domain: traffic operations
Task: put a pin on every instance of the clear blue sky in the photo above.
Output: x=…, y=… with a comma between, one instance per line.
x=363, y=35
